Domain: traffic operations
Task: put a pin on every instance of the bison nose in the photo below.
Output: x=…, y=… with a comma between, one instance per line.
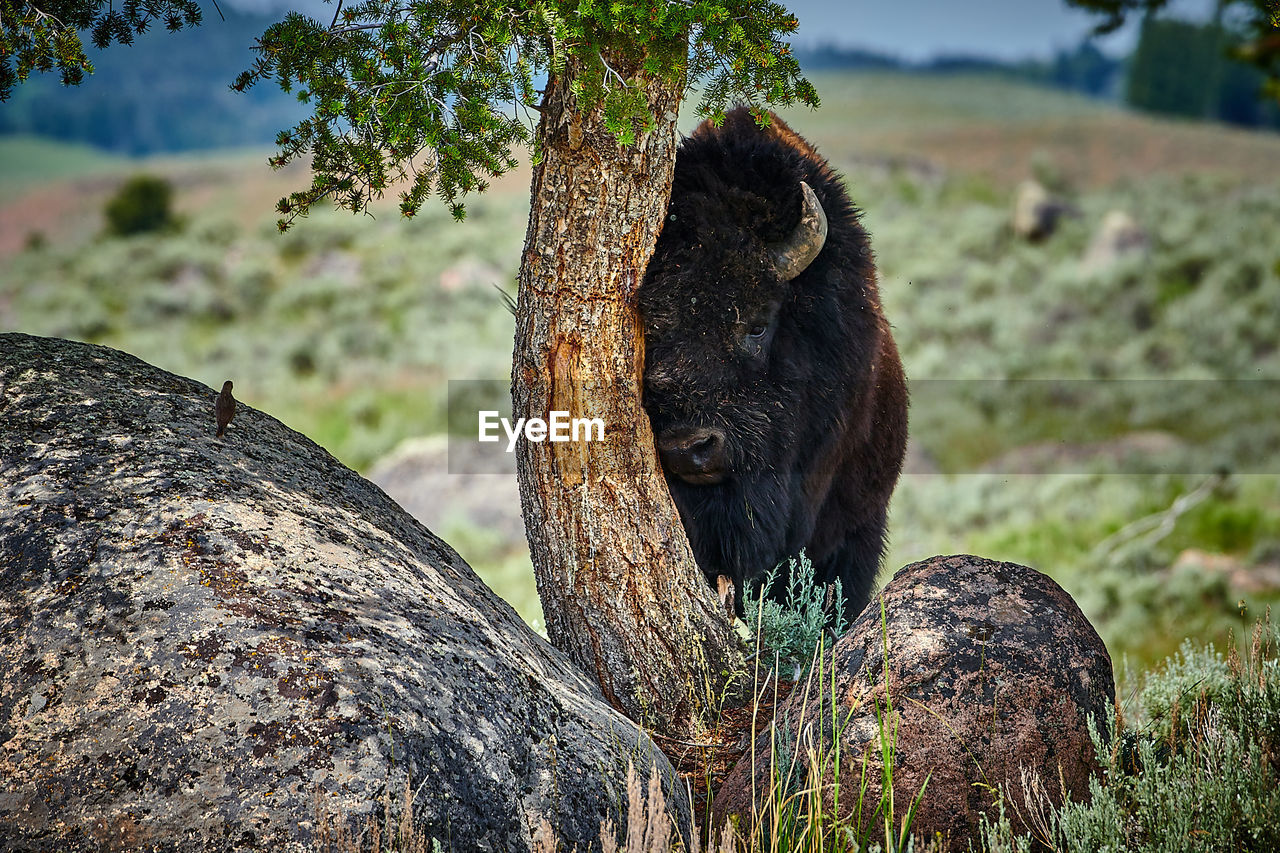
x=694, y=455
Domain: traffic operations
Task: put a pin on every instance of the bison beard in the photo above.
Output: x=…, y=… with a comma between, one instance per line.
x=772, y=381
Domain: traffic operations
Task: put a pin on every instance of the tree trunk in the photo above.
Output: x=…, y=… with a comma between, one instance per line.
x=619, y=587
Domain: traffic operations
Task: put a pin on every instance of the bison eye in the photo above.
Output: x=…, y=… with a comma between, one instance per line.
x=756, y=340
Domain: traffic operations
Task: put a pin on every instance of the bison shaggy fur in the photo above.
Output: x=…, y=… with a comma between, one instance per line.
x=772, y=382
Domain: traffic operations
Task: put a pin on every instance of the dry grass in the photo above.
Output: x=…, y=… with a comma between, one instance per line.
x=799, y=811
x=392, y=830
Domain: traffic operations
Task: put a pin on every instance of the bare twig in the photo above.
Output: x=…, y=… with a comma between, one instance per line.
x=1152, y=528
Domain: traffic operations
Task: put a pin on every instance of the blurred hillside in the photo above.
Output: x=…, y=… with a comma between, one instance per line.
x=169, y=91
x=348, y=328
x=1085, y=69
x=1179, y=68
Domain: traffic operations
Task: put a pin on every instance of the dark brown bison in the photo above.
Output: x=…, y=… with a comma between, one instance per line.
x=771, y=377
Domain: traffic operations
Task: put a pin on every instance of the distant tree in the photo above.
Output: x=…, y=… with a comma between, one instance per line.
x=36, y=35
x=1084, y=69
x=1182, y=68
x=1238, y=101
x=144, y=203
x=1253, y=29
x=1173, y=68
x=827, y=55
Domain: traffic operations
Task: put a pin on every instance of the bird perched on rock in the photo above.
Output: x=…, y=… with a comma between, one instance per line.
x=225, y=408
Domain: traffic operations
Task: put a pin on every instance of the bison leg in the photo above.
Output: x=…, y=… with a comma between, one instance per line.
x=855, y=564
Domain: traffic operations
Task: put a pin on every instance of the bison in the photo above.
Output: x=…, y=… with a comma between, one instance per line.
x=777, y=398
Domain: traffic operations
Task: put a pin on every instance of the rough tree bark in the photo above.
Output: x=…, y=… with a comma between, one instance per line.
x=619, y=587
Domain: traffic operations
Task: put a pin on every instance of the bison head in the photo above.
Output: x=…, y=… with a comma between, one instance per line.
x=739, y=330
x=761, y=322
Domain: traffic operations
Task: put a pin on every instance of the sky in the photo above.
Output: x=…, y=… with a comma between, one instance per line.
x=920, y=29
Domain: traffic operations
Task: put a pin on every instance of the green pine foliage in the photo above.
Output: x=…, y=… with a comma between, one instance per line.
x=438, y=94
x=435, y=97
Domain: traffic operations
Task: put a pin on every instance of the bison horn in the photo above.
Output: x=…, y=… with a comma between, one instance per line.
x=794, y=254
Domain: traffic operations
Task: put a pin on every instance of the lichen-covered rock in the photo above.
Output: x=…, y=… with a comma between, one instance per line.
x=992, y=669
x=204, y=641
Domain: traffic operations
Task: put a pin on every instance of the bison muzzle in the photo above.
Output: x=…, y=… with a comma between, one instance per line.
x=774, y=388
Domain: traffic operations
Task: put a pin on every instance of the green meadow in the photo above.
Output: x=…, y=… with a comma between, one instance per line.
x=348, y=328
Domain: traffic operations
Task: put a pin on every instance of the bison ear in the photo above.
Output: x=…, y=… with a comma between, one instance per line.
x=794, y=254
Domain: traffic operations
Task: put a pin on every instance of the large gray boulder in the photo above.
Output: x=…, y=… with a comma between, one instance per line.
x=206, y=643
x=992, y=675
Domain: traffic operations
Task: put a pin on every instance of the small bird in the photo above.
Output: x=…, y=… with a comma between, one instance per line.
x=225, y=408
